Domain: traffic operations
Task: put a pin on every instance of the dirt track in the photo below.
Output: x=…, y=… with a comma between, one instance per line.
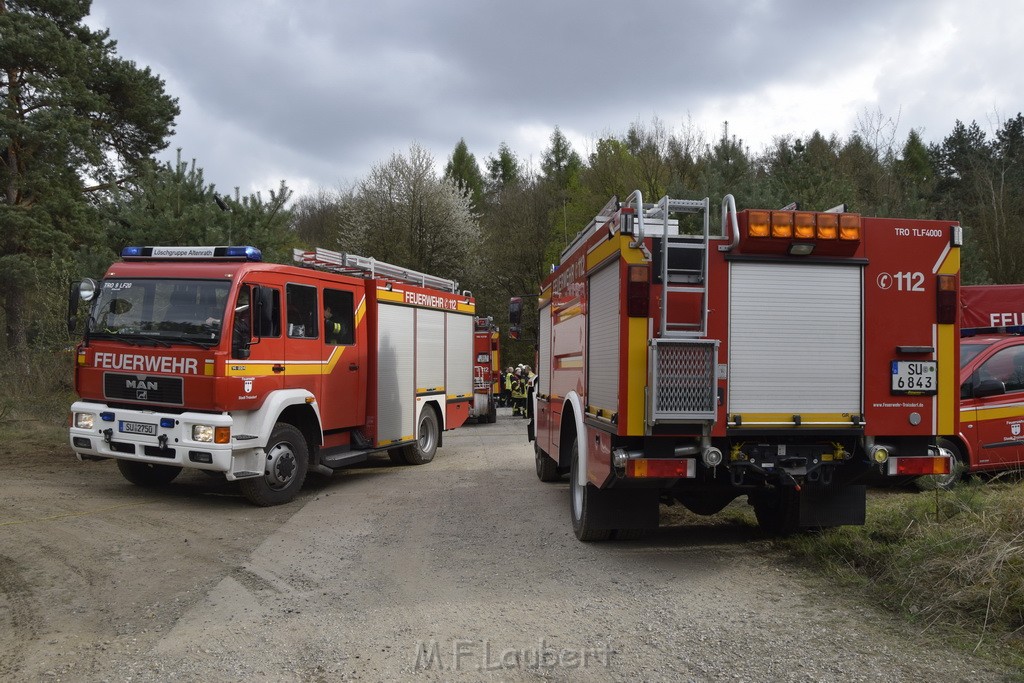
x=465, y=568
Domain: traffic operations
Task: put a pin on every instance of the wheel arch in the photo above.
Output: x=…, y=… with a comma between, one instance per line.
x=571, y=426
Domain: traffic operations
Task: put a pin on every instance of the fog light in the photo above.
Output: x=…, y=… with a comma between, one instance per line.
x=84, y=420
x=200, y=456
x=82, y=442
x=203, y=433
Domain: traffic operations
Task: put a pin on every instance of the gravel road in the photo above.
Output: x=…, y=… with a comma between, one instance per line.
x=463, y=569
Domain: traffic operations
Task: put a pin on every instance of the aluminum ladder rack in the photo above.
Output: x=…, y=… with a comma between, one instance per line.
x=364, y=266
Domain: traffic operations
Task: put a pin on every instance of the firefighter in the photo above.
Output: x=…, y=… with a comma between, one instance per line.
x=518, y=393
x=506, y=387
x=335, y=331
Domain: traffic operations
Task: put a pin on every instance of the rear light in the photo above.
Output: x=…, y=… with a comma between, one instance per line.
x=663, y=468
x=782, y=224
x=638, y=291
x=919, y=466
x=849, y=226
x=828, y=226
x=759, y=224
x=803, y=226
x=946, y=300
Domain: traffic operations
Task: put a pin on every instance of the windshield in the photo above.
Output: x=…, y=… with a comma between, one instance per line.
x=169, y=310
x=969, y=351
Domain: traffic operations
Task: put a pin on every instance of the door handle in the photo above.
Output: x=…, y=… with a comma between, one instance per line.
x=277, y=368
x=353, y=366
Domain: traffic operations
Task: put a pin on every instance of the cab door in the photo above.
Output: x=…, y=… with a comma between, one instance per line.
x=996, y=407
x=343, y=357
x=256, y=364
x=302, y=339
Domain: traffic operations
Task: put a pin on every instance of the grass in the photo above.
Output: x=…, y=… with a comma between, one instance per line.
x=35, y=397
x=951, y=562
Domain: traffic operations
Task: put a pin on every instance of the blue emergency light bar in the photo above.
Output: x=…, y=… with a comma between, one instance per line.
x=184, y=253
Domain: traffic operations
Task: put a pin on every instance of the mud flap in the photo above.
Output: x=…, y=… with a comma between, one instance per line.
x=530, y=429
x=625, y=509
x=833, y=505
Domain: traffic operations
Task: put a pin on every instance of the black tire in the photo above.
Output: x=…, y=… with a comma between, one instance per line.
x=547, y=469
x=778, y=511
x=422, y=450
x=584, y=500
x=492, y=414
x=286, y=466
x=147, y=474
x=957, y=473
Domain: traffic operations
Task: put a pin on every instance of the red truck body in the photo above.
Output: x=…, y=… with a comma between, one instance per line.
x=207, y=358
x=786, y=359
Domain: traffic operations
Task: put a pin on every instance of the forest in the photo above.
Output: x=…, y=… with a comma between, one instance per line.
x=83, y=127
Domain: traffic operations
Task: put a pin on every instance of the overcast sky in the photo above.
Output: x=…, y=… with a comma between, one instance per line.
x=315, y=92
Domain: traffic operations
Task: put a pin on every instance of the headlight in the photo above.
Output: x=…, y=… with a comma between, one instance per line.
x=84, y=420
x=202, y=433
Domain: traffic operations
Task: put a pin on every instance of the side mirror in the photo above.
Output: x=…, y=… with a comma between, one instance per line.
x=515, y=311
x=989, y=387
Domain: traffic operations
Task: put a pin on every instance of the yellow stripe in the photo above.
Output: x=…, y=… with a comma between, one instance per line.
x=948, y=396
x=786, y=419
x=636, y=362
x=995, y=412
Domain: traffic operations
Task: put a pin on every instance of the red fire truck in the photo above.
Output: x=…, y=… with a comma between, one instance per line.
x=991, y=434
x=209, y=358
x=486, y=366
x=786, y=359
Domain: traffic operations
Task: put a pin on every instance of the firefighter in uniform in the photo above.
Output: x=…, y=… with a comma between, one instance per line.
x=518, y=393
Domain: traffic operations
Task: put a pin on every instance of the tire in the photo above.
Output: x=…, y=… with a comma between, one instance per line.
x=584, y=500
x=778, y=511
x=422, y=451
x=286, y=466
x=957, y=473
x=547, y=469
x=492, y=414
x=147, y=474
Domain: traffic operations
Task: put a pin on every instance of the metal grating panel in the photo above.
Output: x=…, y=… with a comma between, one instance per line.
x=429, y=348
x=682, y=380
x=795, y=338
x=396, y=393
x=603, y=339
x=459, y=355
x=544, y=352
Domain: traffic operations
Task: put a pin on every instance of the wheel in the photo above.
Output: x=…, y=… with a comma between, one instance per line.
x=584, y=501
x=422, y=451
x=547, y=469
x=778, y=511
x=286, y=466
x=492, y=414
x=147, y=474
x=957, y=472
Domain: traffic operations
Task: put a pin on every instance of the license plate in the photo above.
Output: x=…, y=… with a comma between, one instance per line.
x=137, y=428
x=914, y=377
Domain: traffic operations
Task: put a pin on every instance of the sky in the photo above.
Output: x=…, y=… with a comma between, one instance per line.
x=318, y=92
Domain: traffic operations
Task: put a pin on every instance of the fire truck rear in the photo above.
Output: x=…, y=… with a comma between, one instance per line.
x=486, y=365
x=207, y=358
x=786, y=359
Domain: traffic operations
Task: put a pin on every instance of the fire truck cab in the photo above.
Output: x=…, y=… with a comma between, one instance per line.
x=785, y=358
x=208, y=358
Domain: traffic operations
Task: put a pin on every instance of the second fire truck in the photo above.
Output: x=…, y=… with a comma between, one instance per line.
x=208, y=358
x=786, y=358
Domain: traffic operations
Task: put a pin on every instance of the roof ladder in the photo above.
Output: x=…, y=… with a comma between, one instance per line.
x=684, y=264
x=364, y=266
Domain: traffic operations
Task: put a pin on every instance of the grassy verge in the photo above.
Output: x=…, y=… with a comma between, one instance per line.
x=35, y=396
x=951, y=562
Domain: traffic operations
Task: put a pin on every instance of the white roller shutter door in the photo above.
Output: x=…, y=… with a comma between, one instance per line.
x=795, y=338
x=603, y=339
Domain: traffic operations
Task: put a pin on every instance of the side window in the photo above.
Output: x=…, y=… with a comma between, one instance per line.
x=1006, y=366
x=302, y=317
x=339, y=317
x=268, y=320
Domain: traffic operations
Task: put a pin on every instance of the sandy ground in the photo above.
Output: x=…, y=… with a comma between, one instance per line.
x=462, y=569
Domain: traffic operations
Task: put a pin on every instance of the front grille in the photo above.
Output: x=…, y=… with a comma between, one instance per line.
x=683, y=385
x=143, y=388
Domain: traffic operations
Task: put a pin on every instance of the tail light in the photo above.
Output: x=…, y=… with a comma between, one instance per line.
x=919, y=466
x=638, y=291
x=947, y=300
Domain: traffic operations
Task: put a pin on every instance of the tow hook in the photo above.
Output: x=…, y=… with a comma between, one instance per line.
x=108, y=434
x=162, y=440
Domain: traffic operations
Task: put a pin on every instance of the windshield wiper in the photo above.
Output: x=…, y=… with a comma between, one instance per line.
x=187, y=340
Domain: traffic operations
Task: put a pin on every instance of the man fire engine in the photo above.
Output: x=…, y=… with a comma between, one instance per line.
x=209, y=358
x=785, y=359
